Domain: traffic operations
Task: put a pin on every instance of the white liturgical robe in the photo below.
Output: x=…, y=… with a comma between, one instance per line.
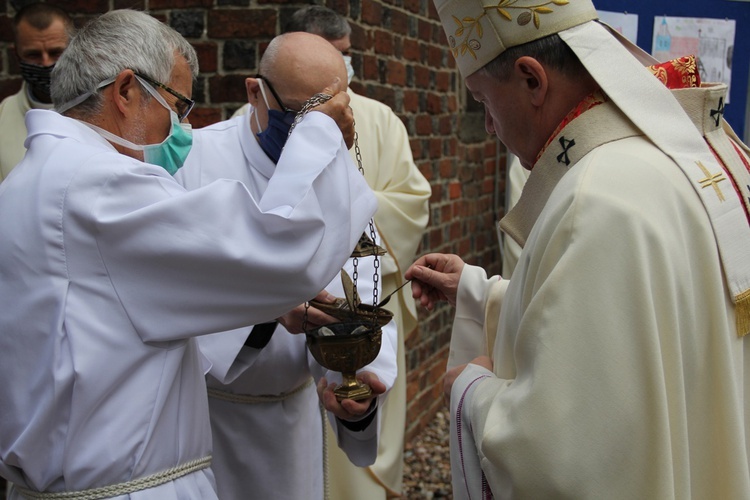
x=109, y=268
x=618, y=372
x=271, y=443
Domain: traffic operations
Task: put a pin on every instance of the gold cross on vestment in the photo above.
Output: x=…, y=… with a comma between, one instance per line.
x=712, y=180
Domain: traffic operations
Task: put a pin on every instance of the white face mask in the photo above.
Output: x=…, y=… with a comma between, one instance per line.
x=349, y=68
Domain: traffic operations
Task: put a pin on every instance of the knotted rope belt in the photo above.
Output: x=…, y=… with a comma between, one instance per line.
x=265, y=398
x=122, y=488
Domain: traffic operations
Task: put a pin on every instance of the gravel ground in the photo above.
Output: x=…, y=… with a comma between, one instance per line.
x=427, y=464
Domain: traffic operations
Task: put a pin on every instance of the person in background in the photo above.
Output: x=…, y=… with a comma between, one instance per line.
x=265, y=415
x=627, y=314
x=109, y=268
x=41, y=32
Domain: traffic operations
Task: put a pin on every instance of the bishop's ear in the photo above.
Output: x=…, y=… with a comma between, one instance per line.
x=534, y=77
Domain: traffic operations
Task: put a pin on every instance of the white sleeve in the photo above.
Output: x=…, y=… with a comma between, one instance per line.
x=467, y=336
x=184, y=264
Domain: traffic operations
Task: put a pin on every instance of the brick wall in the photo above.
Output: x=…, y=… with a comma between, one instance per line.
x=400, y=58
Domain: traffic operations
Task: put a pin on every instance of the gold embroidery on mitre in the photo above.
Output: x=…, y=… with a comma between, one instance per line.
x=742, y=313
x=468, y=25
x=712, y=180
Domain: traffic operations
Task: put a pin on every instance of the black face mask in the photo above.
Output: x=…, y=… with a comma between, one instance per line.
x=38, y=78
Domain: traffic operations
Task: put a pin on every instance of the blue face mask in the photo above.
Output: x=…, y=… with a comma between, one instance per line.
x=169, y=154
x=273, y=138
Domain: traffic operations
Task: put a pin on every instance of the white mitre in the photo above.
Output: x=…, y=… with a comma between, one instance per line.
x=480, y=30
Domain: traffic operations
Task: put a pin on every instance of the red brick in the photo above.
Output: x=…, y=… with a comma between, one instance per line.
x=411, y=101
x=383, y=42
x=432, y=12
x=229, y=88
x=437, y=193
x=452, y=103
x=6, y=29
x=425, y=29
x=447, y=168
x=399, y=22
x=179, y=4
x=359, y=37
x=426, y=170
x=412, y=5
x=455, y=190
x=84, y=6
x=422, y=77
x=386, y=95
x=340, y=6
x=241, y=23
x=207, y=56
x=435, y=56
x=434, y=103
x=446, y=125
x=411, y=50
x=370, y=68
x=130, y=4
x=488, y=186
x=436, y=148
x=442, y=81
x=424, y=125
x=396, y=73
x=372, y=13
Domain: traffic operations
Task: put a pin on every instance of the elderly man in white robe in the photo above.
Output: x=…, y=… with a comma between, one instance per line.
x=618, y=366
x=109, y=268
x=403, y=212
x=262, y=400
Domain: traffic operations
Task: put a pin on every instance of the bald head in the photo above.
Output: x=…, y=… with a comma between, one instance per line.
x=299, y=65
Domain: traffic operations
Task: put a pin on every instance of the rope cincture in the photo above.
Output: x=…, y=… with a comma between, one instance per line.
x=121, y=488
x=265, y=398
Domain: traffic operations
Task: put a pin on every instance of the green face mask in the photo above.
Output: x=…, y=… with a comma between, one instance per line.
x=170, y=153
x=173, y=151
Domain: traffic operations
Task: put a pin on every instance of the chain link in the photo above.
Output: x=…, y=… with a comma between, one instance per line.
x=376, y=263
x=317, y=100
x=312, y=102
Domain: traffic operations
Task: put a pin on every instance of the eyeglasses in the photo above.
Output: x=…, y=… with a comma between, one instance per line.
x=183, y=104
x=275, y=95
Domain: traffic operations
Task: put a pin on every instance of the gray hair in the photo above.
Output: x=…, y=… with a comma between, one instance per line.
x=320, y=21
x=550, y=50
x=117, y=40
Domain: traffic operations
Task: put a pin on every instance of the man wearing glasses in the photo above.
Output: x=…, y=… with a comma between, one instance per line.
x=109, y=268
x=265, y=414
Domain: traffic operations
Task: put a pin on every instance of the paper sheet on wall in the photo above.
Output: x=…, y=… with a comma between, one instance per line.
x=625, y=23
x=711, y=40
